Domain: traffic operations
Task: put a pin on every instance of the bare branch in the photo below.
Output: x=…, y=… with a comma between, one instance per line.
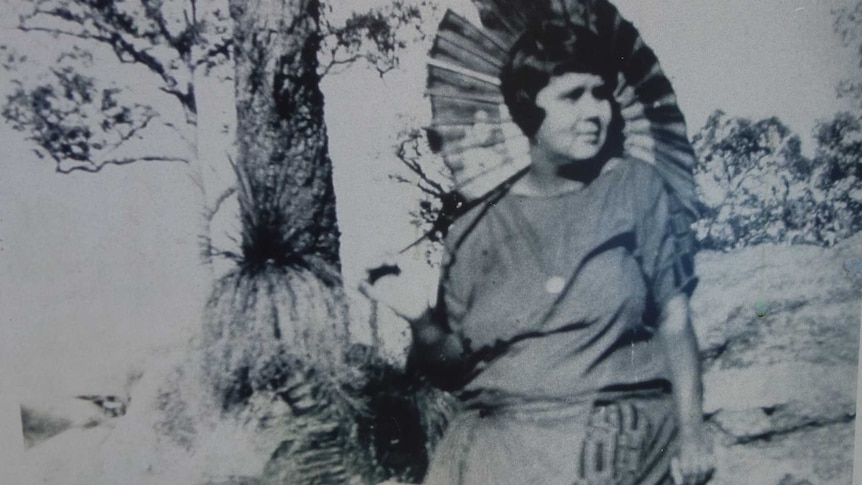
x=108, y=27
x=93, y=168
x=418, y=184
x=400, y=179
x=431, y=190
x=134, y=130
x=194, y=5
x=180, y=132
x=210, y=212
x=413, y=164
x=339, y=62
x=208, y=250
x=347, y=61
x=222, y=48
x=79, y=35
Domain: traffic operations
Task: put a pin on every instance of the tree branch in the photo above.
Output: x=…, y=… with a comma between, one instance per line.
x=222, y=48
x=194, y=5
x=54, y=31
x=134, y=130
x=112, y=30
x=413, y=165
x=336, y=62
x=404, y=180
x=210, y=212
x=208, y=251
x=93, y=168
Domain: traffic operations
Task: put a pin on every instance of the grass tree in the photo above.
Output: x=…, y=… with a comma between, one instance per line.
x=276, y=323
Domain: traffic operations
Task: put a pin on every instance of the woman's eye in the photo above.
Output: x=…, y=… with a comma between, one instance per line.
x=602, y=92
x=575, y=94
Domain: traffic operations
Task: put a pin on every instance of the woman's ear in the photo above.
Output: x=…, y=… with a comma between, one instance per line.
x=530, y=116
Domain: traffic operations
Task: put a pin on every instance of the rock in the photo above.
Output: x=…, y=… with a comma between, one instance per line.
x=791, y=480
x=235, y=481
x=811, y=306
x=820, y=456
x=756, y=401
x=779, y=331
x=170, y=434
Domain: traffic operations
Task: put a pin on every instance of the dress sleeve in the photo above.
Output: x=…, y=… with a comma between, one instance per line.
x=666, y=243
x=460, y=267
x=453, y=295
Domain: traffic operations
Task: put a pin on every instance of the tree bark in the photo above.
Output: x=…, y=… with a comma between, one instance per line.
x=287, y=201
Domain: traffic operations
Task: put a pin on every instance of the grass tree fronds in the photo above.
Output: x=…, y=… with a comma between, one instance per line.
x=264, y=320
x=280, y=332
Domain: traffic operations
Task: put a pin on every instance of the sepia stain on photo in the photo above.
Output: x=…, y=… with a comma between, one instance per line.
x=430, y=241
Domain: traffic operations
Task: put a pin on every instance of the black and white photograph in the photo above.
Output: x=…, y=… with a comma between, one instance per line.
x=440, y=242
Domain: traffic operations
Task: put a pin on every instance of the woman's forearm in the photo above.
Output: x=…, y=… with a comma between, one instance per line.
x=695, y=462
x=680, y=347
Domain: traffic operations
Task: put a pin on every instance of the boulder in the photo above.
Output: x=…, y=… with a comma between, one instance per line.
x=779, y=330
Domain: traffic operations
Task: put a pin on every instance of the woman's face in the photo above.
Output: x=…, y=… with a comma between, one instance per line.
x=577, y=114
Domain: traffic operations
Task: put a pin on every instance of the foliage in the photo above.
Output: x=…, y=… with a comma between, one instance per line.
x=75, y=119
x=275, y=346
x=168, y=37
x=838, y=176
x=84, y=122
x=406, y=420
x=174, y=40
x=755, y=186
x=400, y=422
x=376, y=36
x=748, y=175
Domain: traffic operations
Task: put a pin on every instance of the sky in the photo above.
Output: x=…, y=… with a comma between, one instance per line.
x=749, y=58
x=92, y=266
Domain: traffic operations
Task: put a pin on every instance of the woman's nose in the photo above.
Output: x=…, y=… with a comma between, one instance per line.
x=592, y=106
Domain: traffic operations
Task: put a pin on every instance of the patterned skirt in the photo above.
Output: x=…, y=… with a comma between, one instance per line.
x=624, y=441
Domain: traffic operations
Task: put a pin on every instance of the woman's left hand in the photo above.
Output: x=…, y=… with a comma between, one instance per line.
x=696, y=461
x=405, y=283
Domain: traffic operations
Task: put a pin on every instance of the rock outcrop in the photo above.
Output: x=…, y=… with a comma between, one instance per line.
x=779, y=331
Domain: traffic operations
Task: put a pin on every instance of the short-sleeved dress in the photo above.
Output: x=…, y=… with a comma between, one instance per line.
x=557, y=299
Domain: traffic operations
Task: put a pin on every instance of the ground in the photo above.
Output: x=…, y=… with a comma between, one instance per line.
x=779, y=331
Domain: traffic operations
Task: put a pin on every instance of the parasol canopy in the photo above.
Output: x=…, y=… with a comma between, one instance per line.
x=471, y=127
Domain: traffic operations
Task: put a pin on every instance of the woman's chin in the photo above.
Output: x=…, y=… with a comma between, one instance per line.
x=585, y=153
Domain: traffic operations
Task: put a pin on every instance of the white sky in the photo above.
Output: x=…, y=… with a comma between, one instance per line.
x=93, y=266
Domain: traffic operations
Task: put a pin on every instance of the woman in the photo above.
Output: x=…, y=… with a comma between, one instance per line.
x=562, y=320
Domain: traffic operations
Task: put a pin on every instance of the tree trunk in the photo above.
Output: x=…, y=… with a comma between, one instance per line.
x=284, y=301
x=287, y=198
x=276, y=326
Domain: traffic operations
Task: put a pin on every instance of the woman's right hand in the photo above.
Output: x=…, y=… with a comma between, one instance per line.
x=695, y=463
x=404, y=283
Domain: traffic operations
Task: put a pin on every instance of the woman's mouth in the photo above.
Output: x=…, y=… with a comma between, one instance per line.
x=590, y=136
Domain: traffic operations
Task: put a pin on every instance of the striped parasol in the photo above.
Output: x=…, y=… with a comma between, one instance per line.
x=471, y=127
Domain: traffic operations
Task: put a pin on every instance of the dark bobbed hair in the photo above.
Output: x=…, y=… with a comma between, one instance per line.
x=548, y=49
